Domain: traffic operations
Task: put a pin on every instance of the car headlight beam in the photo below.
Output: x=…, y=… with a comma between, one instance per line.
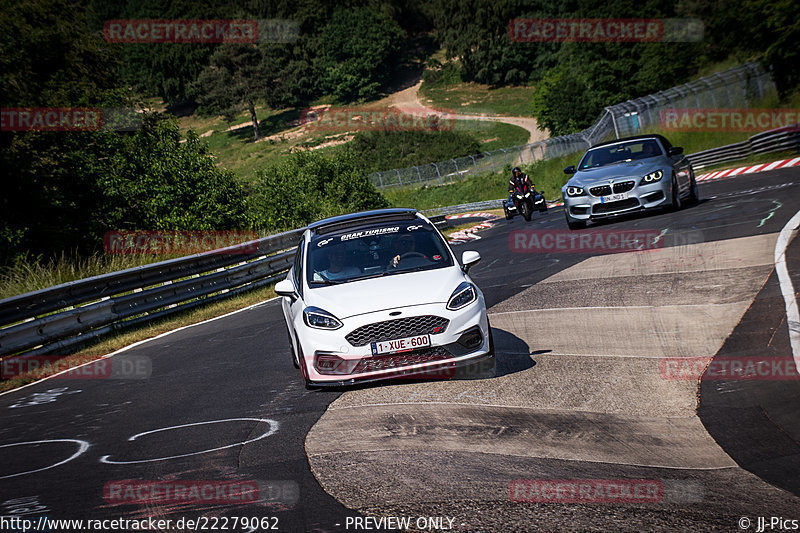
x=464, y=295
x=317, y=318
x=652, y=177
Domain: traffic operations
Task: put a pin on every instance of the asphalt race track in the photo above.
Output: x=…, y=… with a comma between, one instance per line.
x=582, y=391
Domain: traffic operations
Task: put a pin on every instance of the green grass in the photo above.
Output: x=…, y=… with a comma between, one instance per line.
x=478, y=99
x=493, y=135
x=32, y=275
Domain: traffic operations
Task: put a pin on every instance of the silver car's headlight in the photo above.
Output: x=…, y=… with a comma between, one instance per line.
x=652, y=177
x=464, y=295
x=575, y=191
x=314, y=317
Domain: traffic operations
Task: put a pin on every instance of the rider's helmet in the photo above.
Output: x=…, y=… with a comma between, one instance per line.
x=516, y=172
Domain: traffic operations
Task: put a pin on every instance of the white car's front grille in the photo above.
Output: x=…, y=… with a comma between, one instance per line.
x=397, y=329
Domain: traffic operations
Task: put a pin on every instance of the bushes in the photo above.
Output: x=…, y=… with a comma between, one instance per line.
x=308, y=186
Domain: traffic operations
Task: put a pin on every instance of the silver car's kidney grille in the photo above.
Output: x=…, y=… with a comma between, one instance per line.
x=397, y=329
x=601, y=190
x=624, y=186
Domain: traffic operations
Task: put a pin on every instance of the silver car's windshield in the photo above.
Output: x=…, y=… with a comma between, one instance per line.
x=375, y=251
x=620, y=153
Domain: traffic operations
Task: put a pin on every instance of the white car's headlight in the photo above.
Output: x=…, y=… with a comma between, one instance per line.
x=575, y=191
x=464, y=295
x=314, y=317
x=652, y=177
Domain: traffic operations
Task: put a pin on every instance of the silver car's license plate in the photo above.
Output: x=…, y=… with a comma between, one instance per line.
x=613, y=197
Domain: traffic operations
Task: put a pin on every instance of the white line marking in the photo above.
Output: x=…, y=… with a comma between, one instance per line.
x=126, y=348
x=82, y=447
x=273, y=427
x=787, y=290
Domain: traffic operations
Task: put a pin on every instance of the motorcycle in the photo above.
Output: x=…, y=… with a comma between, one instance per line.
x=523, y=199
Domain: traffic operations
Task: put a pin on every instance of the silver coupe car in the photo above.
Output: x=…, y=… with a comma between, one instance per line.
x=627, y=175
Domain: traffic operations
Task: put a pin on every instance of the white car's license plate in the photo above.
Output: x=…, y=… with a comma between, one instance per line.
x=613, y=197
x=401, y=345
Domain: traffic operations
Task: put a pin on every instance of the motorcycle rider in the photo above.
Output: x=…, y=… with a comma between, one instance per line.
x=517, y=178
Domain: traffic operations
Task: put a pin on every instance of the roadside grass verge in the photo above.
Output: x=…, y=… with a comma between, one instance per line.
x=32, y=275
x=115, y=341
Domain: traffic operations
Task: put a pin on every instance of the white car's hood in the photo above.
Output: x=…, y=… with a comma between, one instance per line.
x=377, y=294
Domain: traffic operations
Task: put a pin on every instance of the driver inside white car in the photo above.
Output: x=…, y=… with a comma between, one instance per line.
x=405, y=245
x=337, y=268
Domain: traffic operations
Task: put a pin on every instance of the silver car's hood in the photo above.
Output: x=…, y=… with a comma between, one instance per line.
x=376, y=294
x=633, y=169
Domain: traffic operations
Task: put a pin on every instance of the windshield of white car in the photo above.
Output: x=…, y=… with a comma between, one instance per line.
x=620, y=153
x=376, y=251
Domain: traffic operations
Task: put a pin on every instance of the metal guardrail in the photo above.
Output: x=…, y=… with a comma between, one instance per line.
x=67, y=315
x=777, y=140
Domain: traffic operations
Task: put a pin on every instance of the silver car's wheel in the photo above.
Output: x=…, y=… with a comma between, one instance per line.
x=676, y=196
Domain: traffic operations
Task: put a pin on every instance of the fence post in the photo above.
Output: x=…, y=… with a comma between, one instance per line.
x=399, y=178
x=437, y=172
x=456, y=165
x=380, y=178
x=475, y=165
x=490, y=161
x=503, y=150
x=614, y=120
x=419, y=175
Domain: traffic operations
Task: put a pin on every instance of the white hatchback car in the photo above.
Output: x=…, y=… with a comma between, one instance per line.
x=379, y=295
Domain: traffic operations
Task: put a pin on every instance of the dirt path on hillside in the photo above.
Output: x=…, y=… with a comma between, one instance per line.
x=409, y=98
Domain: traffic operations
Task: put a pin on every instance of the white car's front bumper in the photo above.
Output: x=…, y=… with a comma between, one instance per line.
x=331, y=360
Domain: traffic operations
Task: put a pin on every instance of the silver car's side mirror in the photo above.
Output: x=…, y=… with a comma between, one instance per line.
x=469, y=259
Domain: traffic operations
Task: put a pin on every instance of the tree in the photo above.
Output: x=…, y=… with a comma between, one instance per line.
x=357, y=45
x=237, y=76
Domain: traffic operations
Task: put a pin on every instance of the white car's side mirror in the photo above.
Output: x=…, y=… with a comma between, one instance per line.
x=469, y=259
x=286, y=288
